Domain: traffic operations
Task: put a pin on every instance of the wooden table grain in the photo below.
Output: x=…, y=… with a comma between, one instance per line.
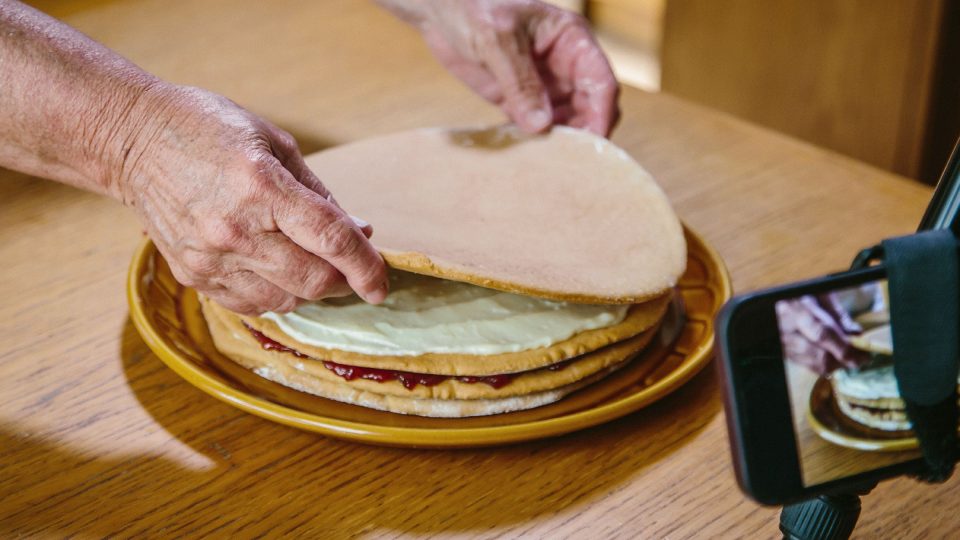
x=98, y=437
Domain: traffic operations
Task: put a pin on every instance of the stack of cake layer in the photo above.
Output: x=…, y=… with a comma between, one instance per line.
x=870, y=395
x=523, y=269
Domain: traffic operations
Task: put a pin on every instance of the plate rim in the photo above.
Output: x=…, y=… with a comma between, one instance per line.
x=694, y=361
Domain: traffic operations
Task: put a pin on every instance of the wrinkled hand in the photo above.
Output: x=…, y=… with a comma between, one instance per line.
x=539, y=63
x=814, y=331
x=230, y=203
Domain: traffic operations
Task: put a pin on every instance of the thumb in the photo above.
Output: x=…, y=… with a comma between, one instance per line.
x=525, y=97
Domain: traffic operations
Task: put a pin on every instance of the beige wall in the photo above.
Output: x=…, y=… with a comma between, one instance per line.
x=857, y=76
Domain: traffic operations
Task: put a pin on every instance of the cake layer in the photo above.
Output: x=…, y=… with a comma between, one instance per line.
x=566, y=215
x=285, y=368
x=425, y=315
x=235, y=341
x=639, y=317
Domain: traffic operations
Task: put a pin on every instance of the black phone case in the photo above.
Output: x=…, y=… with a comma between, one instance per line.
x=759, y=425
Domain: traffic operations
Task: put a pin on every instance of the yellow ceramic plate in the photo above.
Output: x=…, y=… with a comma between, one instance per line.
x=168, y=317
x=828, y=421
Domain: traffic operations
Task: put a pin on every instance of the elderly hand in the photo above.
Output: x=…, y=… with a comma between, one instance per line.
x=224, y=194
x=815, y=333
x=539, y=63
x=229, y=201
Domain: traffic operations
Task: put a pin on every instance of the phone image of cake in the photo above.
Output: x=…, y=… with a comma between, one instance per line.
x=869, y=395
x=846, y=341
x=845, y=407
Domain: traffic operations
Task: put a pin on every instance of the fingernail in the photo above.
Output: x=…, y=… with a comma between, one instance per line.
x=538, y=119
x=379, y=295
x=360, y=223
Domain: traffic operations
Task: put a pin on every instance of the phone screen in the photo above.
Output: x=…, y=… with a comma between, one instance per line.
x=848, y=417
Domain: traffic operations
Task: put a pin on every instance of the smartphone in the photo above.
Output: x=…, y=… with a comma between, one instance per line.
x=811, y=401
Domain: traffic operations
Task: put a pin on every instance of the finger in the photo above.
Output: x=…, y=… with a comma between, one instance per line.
x=328, y=232
x=364, y=226
x=813, y=330
x=595, y=88
x=789, y=314
x=295, y=270
x=835, y=345
x=254, y=295
x=817, y=318
x=827, y=338
x=830, y=319
x=854, y=358
x=596, y=98
x=474, y=74
x=819, y=327
x=832, y=304
x=558, y=88
x=805, y=323
x=525, y=98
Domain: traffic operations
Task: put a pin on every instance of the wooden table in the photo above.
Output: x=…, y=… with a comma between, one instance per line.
x=98, y=437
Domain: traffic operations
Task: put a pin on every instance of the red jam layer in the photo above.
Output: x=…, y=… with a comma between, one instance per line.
x=407, y=379
x=411, y=380
x=271, y=345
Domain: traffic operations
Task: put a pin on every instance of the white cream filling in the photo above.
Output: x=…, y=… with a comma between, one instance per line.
x=429, y=315
x=869, y=383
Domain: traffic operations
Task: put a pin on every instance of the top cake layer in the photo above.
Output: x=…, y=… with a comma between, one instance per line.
x=565, y=216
